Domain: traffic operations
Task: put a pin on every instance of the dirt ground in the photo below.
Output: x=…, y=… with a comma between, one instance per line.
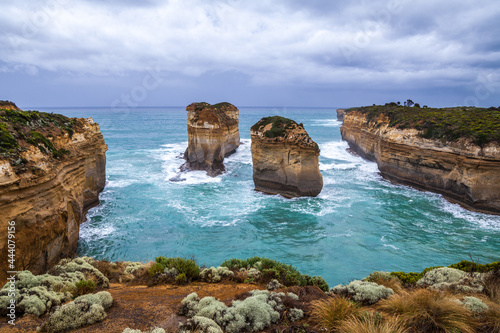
x=142, y=307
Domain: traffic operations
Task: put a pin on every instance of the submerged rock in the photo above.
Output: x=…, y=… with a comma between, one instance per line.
x=285, y=158
x=213, y=134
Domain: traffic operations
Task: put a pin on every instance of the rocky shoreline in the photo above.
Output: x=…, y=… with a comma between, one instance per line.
x=462, y=171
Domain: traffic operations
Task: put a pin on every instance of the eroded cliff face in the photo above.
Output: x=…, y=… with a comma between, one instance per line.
x=285, y=159
x=340, y=114
x=463, y=172
x=47, y=192
x=213, y=134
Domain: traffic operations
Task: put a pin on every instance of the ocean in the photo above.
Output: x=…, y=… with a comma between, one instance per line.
x=358, y=224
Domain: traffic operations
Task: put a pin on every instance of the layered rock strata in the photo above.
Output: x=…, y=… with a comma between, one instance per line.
x=285, y=158
x=461, y=171
x=213, y=134
x=49, y=178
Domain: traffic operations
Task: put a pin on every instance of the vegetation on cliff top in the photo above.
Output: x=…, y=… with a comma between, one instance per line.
x=480, y=125
x=19, y=128
x=279, y=127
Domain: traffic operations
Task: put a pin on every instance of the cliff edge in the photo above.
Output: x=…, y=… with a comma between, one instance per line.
x=285, y=159
x=52, y=169
x=454, y=152
x=213, y=134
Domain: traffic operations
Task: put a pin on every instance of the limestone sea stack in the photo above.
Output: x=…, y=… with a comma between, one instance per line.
x=52, y=169
x=285, y=158
x=213, y=134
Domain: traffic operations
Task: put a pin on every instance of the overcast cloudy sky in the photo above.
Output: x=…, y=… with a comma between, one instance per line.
x=250, y=53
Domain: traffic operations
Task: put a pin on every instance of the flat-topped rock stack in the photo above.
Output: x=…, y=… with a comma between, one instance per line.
x=285, y=158
x=213, y=134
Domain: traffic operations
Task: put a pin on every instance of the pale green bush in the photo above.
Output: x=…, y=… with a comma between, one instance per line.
x=154, y=330
x=83, y=265
x=84, y=310
x=214, y=275
x=200, y=324
x=132, y=267
x=254, y=273
x=451, y=278
x=295, y=314
x=255, y=313
x=274, y=284
x=363, y=291
x=474, y=304
x=35, y=294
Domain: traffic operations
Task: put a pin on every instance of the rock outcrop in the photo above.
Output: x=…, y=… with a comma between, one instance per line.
x=52, y=169
x=285, y=158
x=340, y=114
x=213, y=134
x=461, y=171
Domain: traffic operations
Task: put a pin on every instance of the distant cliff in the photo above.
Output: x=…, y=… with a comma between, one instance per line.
x=285, y=158
x=213, y=134
x=415, y=147
x=52, y=169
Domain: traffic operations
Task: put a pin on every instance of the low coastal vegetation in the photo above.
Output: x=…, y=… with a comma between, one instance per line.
x=278, y=128
x=19, y=129
x=480, y=125
x=463, y=297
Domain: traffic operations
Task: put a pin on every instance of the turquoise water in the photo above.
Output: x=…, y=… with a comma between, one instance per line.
x=359, y=223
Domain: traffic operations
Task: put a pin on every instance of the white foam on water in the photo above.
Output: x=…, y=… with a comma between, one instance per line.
x=119, y=183
x=171, y=157
x=92, y=232
x=483, y=221
x=382, y=239
x=242, y=155
x=326, y=123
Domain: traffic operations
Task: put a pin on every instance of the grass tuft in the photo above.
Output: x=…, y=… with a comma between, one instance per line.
x=330, y=313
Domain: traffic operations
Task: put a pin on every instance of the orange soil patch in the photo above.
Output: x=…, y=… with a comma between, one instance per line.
x=141, y=307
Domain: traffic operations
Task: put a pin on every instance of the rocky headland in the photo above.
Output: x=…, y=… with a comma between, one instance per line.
x=451, y=151
x=52, y=169
x=213, y=134
x=285, y=158
x=340, y=114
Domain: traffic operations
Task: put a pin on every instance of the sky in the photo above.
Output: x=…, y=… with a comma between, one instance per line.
x=286, y=53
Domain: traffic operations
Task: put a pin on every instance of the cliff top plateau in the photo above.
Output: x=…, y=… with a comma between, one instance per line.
x=281, y=129
x=20, y=130
x=480, y=125
x=217, y=114
x=250, y=295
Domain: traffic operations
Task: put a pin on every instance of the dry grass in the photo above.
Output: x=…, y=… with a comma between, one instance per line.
x=489, y=320
x=372, y=324
x=429, y=311
x=393, y=283
x=331, y=312
x=492, y=286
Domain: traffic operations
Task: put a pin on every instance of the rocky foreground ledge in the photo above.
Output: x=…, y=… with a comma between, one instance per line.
x=251, y=295
x=52, y=169
x=285, y=159
x=213, y=134
x=451, y=151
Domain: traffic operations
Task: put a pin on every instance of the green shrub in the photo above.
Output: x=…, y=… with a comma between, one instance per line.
x=84, y=287
x=272, y=269
x=188, y=267
x=214, y=275
x=155, y=268
x=181, y=279
x=278, y=128
x=469, y=266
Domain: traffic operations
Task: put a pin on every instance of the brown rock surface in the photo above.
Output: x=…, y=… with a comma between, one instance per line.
x=213, y=134
x=285, y=159
x=461, y=171
x=48, y=196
